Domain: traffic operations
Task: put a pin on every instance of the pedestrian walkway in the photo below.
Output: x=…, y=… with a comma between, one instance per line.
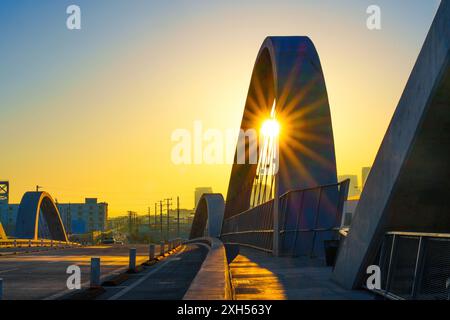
x=260, y=276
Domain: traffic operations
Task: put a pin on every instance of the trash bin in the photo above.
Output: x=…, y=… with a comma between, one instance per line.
x=331, y=249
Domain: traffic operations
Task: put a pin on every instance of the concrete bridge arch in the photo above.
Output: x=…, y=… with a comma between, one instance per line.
x=31, y=206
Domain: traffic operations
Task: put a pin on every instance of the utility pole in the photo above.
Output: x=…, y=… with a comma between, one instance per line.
x=38, y=187
x=160, y=219
x=149, y=221
x=168, y=203
x=156, y=211
x=178, y=216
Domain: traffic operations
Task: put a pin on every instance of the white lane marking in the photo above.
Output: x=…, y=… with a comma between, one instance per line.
x=136, y=283
x=8, y=270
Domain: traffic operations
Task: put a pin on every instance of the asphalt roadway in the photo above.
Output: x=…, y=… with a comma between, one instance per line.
x=42, y=275
x=169, y=279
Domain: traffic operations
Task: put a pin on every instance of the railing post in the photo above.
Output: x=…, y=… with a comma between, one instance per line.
x=276, y=220
x=15, y=243
x=42, y=242
x=132, y=262
x=95, y=272
x=161, y=248
x=151, y=252
x=391, y=256
x=29, y=243
x=417, y=268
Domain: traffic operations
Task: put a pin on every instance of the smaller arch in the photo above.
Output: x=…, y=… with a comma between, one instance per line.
x=31, y=205
x=2, y=233
x=208, y=216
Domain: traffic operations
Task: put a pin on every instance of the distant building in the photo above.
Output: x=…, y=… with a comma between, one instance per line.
x=84, y=217
x=8, y=214
x=348, y=212
x=353, y=190
x=4, y=192
x=199, y=192
x=364, y=174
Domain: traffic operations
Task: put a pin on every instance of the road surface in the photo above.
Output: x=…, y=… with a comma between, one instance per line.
x=42, y=275
x=169, y=279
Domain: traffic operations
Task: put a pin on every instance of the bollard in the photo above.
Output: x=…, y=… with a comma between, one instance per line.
x=151, y=252
x=132, y=263
x=15, y=243
x=161, y=248
x=95, y=272
x=1, y=288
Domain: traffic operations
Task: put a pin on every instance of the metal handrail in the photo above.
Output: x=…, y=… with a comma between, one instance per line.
x=249, y=210
x=312, y=188
x=419, y=234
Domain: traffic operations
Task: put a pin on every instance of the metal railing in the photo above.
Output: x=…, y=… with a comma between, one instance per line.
x=415, y=266
x=252, y=228
x=24, y=243
x=309, y=217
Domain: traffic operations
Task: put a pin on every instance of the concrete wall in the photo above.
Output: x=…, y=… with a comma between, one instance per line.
x=409, y=184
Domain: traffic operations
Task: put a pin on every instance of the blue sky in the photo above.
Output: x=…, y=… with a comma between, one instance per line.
x=90, y=112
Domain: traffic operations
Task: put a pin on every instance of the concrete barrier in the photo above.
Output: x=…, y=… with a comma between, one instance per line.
x=213, y=281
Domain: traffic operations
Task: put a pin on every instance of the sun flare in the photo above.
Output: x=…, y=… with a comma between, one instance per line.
x=270, y=128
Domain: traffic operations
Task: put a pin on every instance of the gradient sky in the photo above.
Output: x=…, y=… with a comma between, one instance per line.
x=90, y=113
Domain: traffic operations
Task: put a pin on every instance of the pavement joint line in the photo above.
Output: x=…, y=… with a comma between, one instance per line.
x=8, y=270
x=137, y=282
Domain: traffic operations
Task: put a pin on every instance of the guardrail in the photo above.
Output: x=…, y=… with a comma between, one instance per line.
x=308, y=217
x=23, y=243
x=415, y=266
x=252, y=228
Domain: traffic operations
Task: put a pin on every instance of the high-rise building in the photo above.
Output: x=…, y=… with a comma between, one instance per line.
x=364, y=174
x=199, y=192
x=353, y=189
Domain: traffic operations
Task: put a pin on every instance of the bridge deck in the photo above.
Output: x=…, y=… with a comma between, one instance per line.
x=42, y=275
x=260, y=276
x=167, y=280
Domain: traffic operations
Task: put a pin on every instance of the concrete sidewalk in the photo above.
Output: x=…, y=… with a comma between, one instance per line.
x=260, y=276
